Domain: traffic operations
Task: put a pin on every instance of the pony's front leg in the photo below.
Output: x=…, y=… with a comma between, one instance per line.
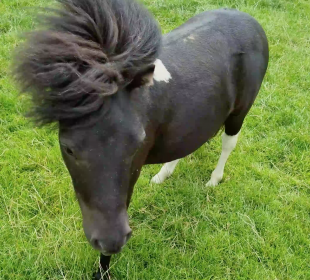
x=164, y=172
x=104, y=266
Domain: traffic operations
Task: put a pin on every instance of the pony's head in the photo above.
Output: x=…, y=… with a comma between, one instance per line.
x=86, y=70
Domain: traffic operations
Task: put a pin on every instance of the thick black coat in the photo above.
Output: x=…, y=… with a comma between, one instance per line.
x=217, y=61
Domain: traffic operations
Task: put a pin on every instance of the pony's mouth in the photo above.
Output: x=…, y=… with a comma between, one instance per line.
x=106, y=254
x=101, y=248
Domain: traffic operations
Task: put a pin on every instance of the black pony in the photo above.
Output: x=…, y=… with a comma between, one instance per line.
x=97, y=69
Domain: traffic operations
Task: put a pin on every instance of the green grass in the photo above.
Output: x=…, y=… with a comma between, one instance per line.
x=255, y=225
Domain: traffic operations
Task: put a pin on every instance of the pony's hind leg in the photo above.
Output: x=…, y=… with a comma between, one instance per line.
x=229, y=141
x=165, y=172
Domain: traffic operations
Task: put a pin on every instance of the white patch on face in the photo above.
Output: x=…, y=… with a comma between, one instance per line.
x=161, y=74
x=142, y=135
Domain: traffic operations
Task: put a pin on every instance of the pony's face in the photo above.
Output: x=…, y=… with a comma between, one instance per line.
x=102, y=160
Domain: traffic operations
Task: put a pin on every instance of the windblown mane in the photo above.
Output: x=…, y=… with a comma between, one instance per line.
x=87, y=50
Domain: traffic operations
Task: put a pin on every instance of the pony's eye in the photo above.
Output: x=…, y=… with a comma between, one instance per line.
x=69, y=151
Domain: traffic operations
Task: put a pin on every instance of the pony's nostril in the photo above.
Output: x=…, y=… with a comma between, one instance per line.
x=97, y=244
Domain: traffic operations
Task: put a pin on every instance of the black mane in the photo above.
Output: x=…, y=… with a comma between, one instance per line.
x=87, y=51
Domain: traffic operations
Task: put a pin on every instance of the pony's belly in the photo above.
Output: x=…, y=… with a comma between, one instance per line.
x=182, y=146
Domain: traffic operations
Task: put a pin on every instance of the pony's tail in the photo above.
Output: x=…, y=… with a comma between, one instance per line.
x=85, y=51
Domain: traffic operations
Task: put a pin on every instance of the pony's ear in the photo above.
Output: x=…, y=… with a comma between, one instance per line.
x=142, y=78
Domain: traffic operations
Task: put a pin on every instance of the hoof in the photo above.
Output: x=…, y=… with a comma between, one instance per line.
x=215, y=180
x=212, y=183
x=157, y=180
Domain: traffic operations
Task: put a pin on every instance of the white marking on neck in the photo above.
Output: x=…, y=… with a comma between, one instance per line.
x=161, y=74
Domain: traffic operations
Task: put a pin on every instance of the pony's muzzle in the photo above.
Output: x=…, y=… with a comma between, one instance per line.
x=112, y=244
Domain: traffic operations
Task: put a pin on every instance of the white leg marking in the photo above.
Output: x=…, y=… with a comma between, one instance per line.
x=165, y=172
x=228, y=145
x=161, y=74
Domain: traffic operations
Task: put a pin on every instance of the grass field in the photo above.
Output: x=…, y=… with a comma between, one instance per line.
x=255, y=225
